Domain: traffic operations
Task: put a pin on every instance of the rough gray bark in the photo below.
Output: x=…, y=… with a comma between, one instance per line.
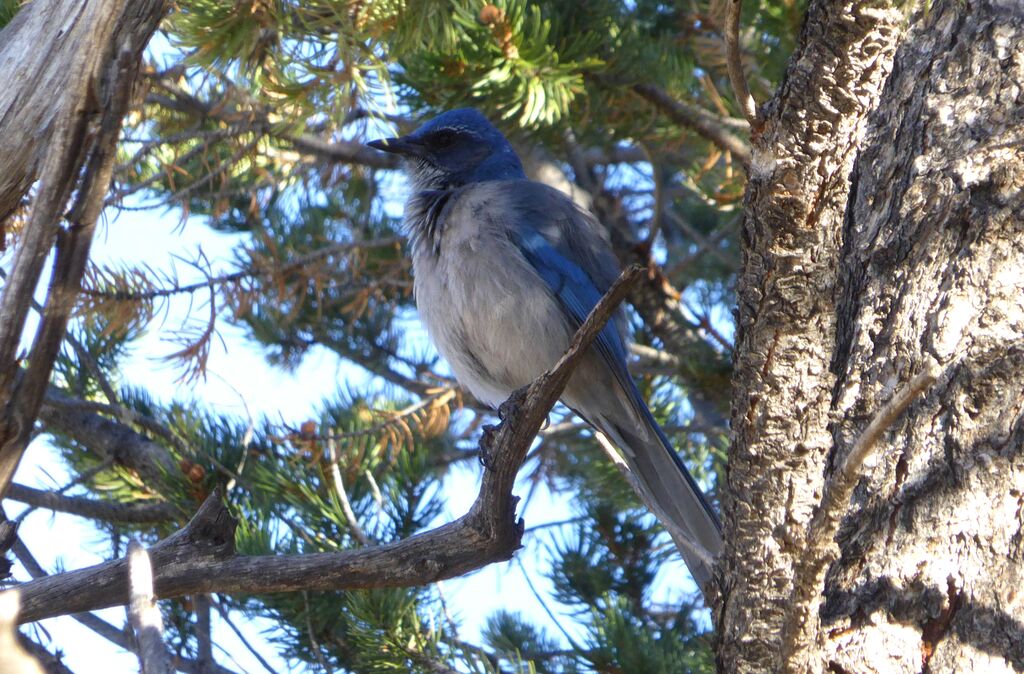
x=932, y=552
x=851, y=285
x=782, y=387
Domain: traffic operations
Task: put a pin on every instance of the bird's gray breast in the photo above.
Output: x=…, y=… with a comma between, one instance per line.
x=487, y=311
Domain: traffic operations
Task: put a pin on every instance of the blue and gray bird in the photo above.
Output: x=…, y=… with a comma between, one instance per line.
x=505, y=270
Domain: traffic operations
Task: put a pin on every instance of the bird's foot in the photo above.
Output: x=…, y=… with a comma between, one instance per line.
x=487, y=438
x=508, y=408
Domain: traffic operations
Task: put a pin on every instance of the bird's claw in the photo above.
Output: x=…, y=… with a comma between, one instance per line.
x=508, y=408
x=486, y=445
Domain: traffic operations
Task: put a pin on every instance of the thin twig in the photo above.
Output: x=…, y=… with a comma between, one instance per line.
x=704, y=321
x=225, y=615
x=802, y=623
x=334, y=472
x=144, y=614
x=544, y=605
x=734, y=63
x=313, y=643
x=657, y=214
x=705, y=244
x=551, y=525
x=452, y=625
x=204, y=631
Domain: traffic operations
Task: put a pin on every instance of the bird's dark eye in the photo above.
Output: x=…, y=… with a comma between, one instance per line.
x=443, y=138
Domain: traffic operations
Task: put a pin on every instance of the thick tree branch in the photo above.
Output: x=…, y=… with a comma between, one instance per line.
x=114, y=635
x=201, y=557
x=107, y=439
x=49, y=54
x=693, y=117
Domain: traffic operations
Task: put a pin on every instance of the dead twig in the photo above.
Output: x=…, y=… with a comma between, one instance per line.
x=734, y=63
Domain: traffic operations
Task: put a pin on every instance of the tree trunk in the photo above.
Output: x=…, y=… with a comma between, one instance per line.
x=851, y=285
x=67, y=74
x=40, y=51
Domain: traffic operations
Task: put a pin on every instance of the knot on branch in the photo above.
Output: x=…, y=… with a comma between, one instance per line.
x=210, y=533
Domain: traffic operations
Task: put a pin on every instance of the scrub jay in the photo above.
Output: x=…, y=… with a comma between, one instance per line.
x=505, y=270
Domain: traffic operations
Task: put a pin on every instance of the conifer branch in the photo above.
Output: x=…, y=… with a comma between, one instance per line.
x=201, y=557
x=295, y=263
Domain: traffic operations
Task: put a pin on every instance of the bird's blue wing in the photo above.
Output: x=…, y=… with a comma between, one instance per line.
x=578, y=295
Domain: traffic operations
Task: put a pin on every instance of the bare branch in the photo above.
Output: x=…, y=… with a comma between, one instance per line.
x=106, y=438
x=204, y=633
x=225, y=615
x=341, y=151
x=114, y=635
x=51, y=662
x=801, y=626
x=734, y=63
x=92, y=508
x=201, y=557
x=705, y=123
x=143, y=613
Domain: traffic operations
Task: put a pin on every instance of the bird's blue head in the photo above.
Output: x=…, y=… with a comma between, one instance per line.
x=455, y=148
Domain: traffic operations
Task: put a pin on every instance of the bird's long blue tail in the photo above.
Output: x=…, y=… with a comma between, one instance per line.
x=670, y=492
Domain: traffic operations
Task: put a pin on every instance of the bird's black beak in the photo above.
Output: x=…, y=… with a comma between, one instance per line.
x=403, y=146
